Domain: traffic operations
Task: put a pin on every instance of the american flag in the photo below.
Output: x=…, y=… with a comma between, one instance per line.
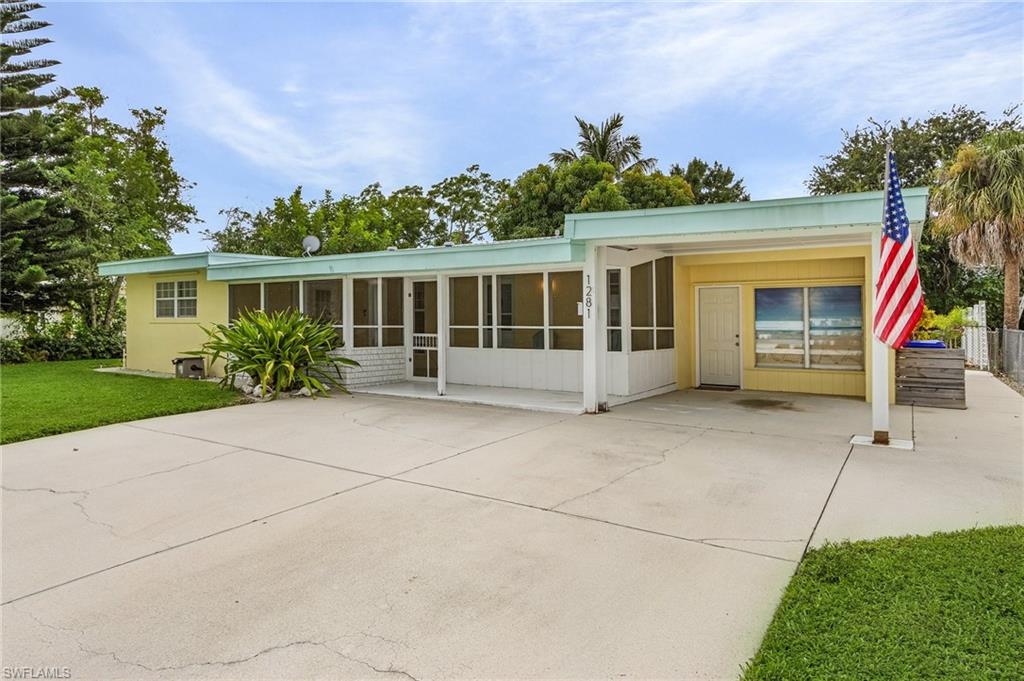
x=899, y=298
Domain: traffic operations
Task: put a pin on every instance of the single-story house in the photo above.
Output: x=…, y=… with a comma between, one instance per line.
x=766, y=295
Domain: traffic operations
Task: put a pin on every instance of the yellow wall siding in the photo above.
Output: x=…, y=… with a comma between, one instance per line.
x=152, y=343
x=794, y=267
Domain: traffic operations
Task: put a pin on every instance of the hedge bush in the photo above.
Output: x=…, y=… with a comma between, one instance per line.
x=67, y=337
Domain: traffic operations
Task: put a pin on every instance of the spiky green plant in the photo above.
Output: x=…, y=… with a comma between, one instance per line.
x=980, y=205
x=281, y=351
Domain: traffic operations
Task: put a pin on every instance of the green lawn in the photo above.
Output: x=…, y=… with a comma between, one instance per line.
x=947, y=606
x=45, y=398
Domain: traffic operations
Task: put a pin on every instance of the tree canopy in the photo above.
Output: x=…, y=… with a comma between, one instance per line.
x=711, y=183
x=922, y=146
x=606, y=143
x=980, y=204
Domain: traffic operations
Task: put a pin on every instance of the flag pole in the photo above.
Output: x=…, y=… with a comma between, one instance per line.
x=879, y=350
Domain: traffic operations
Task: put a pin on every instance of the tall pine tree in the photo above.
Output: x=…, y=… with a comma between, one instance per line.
x=39, y=243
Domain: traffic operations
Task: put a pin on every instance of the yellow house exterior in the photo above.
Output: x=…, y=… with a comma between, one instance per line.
x=151, y=342
x=830, y=266
x=620, y=306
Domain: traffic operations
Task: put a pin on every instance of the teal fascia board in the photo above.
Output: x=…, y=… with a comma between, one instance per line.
x=177, y=263
x=551, y=251
x=863, y=208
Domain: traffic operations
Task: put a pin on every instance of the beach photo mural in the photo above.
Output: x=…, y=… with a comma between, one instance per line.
x=819, y=327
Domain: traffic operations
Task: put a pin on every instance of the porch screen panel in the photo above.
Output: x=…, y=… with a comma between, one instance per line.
x=280, y=296
x=564, y=298
x=365, y=313
x=322, y=301
x=642, y=306
x=392, y=331
x=464, y=312
x=664, y=297
x=614, y=310
x=488, y=306
x=521, y=311
x=836, y=327
x=779, y=327
x=242, y=298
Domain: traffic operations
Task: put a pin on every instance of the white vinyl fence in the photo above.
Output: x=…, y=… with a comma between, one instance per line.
x=975, y=338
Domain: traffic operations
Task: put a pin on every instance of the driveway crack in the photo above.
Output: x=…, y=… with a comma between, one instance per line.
x=325, y=644
x=662, y=457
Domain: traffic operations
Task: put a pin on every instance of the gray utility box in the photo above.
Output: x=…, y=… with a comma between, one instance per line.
x=189, y=367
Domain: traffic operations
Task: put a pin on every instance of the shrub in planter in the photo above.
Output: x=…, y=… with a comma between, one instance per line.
x=279, y=352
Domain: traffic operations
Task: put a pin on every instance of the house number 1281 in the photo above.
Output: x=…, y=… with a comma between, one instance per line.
x=588, y=297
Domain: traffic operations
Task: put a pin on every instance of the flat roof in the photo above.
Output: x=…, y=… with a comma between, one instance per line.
x=774, y=218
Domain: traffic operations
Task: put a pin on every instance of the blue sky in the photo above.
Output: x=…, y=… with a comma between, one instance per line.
x=263, y=96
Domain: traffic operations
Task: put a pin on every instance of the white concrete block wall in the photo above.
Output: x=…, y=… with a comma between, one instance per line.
x=376, y=366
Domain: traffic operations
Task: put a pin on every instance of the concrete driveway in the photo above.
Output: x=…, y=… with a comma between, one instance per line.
x=373, y=537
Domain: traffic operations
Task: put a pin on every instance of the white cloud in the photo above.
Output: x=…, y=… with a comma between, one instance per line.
x=831, y=61
x=339, y=140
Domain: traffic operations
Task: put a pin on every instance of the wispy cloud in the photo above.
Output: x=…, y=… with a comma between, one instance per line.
x=343, y=137
x=837, y=60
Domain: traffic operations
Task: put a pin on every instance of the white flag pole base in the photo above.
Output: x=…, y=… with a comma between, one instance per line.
x=893, y=443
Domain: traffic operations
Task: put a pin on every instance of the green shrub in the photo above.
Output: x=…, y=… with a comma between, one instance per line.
x=40, y=338
x=947, y=327
x=281, y=351
x=11, y=351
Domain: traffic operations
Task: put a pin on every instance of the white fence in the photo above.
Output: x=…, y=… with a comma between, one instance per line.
x=975, y=338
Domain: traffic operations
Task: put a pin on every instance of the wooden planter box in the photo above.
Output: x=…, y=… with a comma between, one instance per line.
x=930, y=378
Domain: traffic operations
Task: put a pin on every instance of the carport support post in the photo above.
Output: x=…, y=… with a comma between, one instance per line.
x=442, y=334
x=879, y=357
x=595, y=393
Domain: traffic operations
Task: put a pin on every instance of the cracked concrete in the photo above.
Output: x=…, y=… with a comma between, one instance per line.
x=375, y=537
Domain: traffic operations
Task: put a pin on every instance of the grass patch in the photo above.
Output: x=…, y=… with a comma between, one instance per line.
x=46, y=398
x=946, y=606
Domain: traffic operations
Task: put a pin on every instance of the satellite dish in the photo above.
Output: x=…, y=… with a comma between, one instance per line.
x=310, y=244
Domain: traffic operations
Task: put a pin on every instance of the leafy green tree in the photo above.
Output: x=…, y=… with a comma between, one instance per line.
x=344, y=225
x=537, y=201
x=922, y=146
x=655, y=190
x=713, y=183
x=463, y=206
x=40, y=241
x=535, y=204
x=606, y=143
x=980, y=203
x=124, y=192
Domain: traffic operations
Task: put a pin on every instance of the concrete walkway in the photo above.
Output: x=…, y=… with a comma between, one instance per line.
x=374, y=537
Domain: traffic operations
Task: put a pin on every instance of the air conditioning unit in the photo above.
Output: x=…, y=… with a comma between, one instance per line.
x=189, y=367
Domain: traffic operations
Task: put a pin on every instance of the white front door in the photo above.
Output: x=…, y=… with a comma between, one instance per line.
x=719, y=311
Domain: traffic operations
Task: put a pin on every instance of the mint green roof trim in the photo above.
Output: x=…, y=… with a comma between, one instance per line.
x=545, y=251
x=862, y=212
x=177, y=263
x=863, y=208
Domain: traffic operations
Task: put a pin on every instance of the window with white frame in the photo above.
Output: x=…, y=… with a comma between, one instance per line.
x=464, y=312
x=614, y=310
x=651, y=304
x=521, y=311
x=322, y=300
x=819, y=327
x=176, y=299
x=565, y=323
x=244, y=298
x=280, y=296
x=377, y=312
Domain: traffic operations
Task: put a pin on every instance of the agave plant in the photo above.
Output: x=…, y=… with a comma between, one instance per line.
x=281, y=351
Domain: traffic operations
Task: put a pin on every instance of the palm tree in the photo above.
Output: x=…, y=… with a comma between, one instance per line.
x=980, y=204
x=607, y=144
